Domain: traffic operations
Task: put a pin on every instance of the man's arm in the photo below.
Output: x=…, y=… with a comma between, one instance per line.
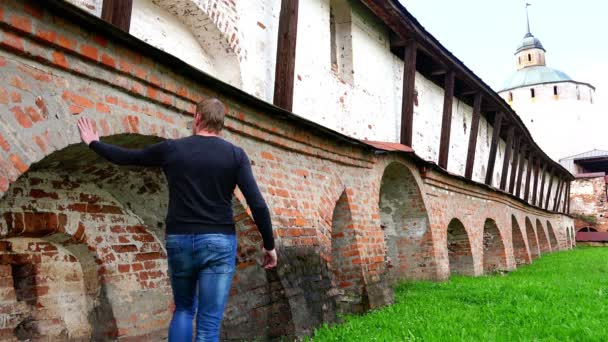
x=154, y=155
x=255, y=201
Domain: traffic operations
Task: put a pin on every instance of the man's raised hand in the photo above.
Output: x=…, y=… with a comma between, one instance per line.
x=88, y=134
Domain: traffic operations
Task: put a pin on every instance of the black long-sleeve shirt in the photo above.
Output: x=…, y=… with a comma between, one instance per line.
x=202, y=173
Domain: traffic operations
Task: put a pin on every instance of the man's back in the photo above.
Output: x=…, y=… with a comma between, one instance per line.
x=202, y=172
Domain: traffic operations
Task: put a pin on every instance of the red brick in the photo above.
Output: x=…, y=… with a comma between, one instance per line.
x=38, y=140
x=15, y=97
x=77, y=99
x=3, y=96
x=22, y=118
x=267, y=155
x=124, y=268
x=148, y=256
x=13, y=41
x=112, y=100
x=124, y=248
x=66, y=42
x=75, y=110
x=152, y=93
x=21, y=23
x=137, y=267
x=4, y=144
x=37, y=193
x=89, y=51
x=125, y=66
x=34, y=114
x=18, y=82
x=49, y=36
x=102, y=108
x=60, y=60
x=108, y=60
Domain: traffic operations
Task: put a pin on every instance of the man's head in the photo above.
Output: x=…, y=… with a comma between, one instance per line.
x=209, y=116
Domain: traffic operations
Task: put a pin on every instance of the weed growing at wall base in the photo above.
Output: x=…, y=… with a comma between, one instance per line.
x=561, y=297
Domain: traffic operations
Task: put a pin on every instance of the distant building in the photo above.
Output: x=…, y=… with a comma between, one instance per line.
x=588, y=193
x=548, y=101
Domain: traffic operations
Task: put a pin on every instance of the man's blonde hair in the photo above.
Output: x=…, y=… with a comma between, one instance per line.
x=212, y=115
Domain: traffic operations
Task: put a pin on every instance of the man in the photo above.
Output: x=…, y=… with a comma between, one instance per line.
x=202, y=171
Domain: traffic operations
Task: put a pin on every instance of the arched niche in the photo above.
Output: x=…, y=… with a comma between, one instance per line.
x=520, y=250
x=532, y=240
x=460, y=254
x=405, y=223
x=494, y=255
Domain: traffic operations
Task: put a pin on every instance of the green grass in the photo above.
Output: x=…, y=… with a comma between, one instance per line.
x=560, y=297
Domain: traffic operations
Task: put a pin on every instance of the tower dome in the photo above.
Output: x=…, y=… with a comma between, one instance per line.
x=529, y=42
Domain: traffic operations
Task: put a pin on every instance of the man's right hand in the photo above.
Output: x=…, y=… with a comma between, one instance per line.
x=88, y=133
x=269, y=259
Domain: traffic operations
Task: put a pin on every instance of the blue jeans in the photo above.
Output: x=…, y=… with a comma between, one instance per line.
x=202, y=263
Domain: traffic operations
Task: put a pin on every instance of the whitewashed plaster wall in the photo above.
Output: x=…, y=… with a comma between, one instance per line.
x=91, y=6
x=561, y=126
x=165, y=31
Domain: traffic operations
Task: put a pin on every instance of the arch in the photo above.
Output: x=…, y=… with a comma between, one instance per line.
x=78, y=202
x=520, y=250
x=43, y=274
x=552, y=237
x=532, y=240
x=543, y=241
x=405, y=224
x=587, y=229
x=494, y=255
x=346, y=272
x=220, y=46
x=460, y=254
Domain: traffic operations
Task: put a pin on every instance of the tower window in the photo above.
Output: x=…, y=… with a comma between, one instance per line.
x=532, y=94
x=529, y=58
x=510, y=96
x=554, y=90
x=578, y=93
x=519, y=59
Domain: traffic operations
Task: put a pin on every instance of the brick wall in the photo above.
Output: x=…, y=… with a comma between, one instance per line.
x=588, y=197
x=348, y=221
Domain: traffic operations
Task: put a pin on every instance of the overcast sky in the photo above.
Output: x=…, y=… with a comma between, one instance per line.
x=485, y=33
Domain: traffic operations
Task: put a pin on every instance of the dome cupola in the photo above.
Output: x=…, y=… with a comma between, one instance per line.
x=530, y=52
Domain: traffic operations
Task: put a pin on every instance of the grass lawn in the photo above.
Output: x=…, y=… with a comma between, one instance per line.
x=560, y=297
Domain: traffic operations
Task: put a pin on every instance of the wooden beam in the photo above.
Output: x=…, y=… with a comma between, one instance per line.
x=528, y=175
x=468, y=172
x=517, y=150
x=407, y=100
x=117, y=13
x=505, y=163
x=560, y=183
x=494, y=147
x=520, y=174
x=398, y=41
x=536, y=176
x=549, y=191
x=446, y=121
x=286, y=55
x=542, y=185
x=568, y=198
x=467, y=92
